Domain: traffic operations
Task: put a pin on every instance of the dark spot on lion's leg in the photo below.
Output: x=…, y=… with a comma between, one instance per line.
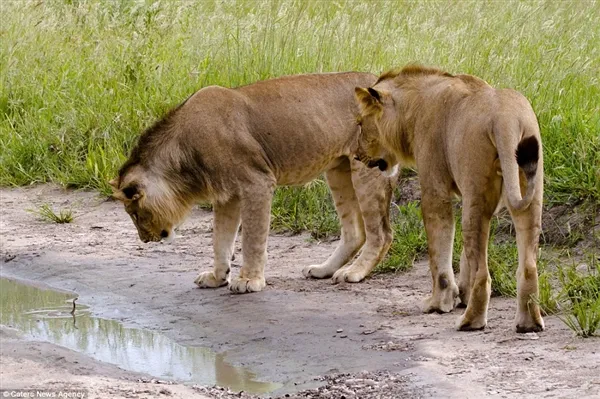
x=443, y=281
x=232, y=257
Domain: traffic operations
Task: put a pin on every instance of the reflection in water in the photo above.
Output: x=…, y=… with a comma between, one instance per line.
x=46, y=315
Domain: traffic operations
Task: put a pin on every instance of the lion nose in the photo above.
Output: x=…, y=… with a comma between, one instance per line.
x=372, y=164
x=380, y=163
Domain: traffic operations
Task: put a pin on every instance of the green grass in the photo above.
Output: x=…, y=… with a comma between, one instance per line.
x=579, y=300
x=297, y=209
x=46, y=213
x=548, y=296
x=502, y=264
x=80, y=79
x=410, y=240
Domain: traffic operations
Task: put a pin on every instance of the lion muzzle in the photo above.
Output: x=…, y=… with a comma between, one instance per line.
x=380, y=163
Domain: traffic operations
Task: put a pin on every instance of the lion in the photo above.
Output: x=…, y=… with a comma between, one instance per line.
x=466, y=139
x=232, y=147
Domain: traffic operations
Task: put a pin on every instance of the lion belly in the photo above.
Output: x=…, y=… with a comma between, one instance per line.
x=305, y=173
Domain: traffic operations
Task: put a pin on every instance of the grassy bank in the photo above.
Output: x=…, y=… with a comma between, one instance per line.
x=81, y=79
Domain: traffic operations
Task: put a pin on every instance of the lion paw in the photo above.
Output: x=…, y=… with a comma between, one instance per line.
x=244, y=285
x=442, y=301
x=527, y=323
x=316, y=271
x=208, y=280
x=471, y=324
x=347, y=275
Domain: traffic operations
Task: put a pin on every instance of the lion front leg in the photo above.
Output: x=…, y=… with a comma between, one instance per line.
x=226, y=224
x=353, y=230
x=256, y=215
x=374, y=193
x=439, y=226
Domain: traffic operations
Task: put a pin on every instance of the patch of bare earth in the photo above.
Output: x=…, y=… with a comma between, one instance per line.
x=367, y=340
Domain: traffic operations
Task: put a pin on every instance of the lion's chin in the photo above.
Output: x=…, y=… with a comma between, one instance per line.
x=170, y=238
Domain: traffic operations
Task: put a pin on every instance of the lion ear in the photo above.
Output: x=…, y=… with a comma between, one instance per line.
x=119, y=196
x=375, y=94
x=369, y=99
x=129, y=193
x=133, y=192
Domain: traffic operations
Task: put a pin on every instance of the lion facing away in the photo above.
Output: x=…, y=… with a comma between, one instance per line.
x=471, y=140
x=232, y=147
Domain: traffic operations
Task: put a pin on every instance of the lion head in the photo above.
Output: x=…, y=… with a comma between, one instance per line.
x=387, y=111
x=149, y=183
x=377, y=116
x=154, y=210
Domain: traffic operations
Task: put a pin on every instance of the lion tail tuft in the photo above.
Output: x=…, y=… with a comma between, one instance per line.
x=526, y=157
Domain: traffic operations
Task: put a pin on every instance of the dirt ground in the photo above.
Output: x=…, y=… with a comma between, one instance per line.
x=316, y=339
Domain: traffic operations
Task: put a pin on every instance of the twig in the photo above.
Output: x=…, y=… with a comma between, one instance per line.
x=73, y=311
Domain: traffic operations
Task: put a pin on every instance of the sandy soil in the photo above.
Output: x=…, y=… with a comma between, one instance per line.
x=286, y=334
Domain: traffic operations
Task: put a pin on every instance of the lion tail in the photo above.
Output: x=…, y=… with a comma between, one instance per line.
x=515, y=155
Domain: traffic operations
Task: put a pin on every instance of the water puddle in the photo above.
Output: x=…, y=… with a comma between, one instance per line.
x=45, y=315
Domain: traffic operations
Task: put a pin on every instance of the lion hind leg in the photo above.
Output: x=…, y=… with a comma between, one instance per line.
x=439, y=226
x=256, y=214
x=353, y=231
x=374, y=193
x=528, y=227
x=475, y=242
x=226, y=224
x=478, y=209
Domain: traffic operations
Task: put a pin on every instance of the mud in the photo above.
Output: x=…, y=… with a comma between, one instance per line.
x=287, y=334
x=50, y=316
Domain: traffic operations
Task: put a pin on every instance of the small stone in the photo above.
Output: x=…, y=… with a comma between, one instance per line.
x=339, y=330
x=528, y=336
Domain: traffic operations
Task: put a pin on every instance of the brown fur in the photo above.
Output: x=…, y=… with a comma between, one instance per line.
x=469, y=138
x=234, y=146
x=411, y=70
